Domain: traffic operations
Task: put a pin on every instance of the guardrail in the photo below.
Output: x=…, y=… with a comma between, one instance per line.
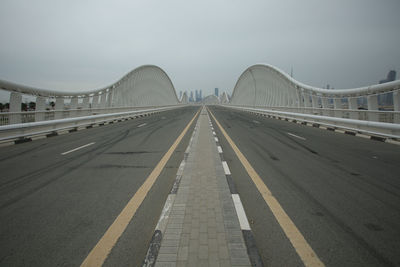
x=23, y=131
x=7, y=118
x=356, y=114
x=381, y=129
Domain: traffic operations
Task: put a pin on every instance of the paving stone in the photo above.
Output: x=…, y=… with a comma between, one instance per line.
x=203, y=228
x=223, y=252
x=183, y=253
x=185, y=238
x=213, y=259
x=165, y=264
x=168, y=250
x=166, y=257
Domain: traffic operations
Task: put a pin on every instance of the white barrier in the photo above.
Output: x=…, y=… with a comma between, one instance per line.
x=25, y=130
x=388, y=130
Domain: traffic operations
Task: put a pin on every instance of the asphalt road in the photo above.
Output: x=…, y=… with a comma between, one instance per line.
x=342, y=192
x=54, y=208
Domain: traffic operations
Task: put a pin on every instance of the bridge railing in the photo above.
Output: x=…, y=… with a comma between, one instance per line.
x=356, y=114
x=7, y=118
x=26, y=130
x=383, y=129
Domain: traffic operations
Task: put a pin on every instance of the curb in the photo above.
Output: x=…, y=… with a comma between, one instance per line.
x=252, y=251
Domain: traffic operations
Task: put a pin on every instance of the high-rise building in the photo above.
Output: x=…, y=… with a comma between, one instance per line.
x=387, y=99
x=191, y=97
x=201, y=97
x=216, y=91
x=391, y=76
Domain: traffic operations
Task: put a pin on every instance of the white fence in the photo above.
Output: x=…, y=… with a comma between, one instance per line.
x=383, y=129
x=29, y=129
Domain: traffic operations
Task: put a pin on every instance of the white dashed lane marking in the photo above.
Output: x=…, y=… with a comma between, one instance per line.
x=75, y=149
x=226, y=168
x=299, y=137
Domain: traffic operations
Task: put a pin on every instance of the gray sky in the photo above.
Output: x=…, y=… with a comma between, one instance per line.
x=78, y=44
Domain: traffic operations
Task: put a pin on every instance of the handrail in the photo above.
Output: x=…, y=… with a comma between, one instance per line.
x=21, y=130
x=388, y=130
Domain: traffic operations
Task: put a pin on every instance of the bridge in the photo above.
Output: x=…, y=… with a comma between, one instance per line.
x=278, y=174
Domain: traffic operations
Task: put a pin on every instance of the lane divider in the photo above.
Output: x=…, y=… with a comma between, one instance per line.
x=75, y=149
x=102, y=249
x=298, y=137
x=296, y=238
x=159, y=231
x=247, y=234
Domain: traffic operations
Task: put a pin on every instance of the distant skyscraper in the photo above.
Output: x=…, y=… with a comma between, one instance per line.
x=216, y=91
x=191, y=96
x=201, y=95
x=197, y=96
x=387, y=99
x=391, y=76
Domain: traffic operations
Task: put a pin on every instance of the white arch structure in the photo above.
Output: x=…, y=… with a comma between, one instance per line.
x=266, y=86
x=211, y=100
x=145, y=86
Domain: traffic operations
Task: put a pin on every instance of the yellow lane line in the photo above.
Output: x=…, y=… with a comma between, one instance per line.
x=298, y=241
x=100, y=252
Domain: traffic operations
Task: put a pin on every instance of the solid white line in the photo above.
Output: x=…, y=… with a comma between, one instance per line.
x=226, y=168
x=216, y=139
x=75, y=149
x=141, y=125
x=244, y=223
x=219, y=149
x=299, y=137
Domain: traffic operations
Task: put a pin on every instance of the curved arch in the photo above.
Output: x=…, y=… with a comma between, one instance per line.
x=211, y=99
x=266, y=85
x=147, y=85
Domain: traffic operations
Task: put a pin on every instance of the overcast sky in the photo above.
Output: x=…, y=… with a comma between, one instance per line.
x=78, y=44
